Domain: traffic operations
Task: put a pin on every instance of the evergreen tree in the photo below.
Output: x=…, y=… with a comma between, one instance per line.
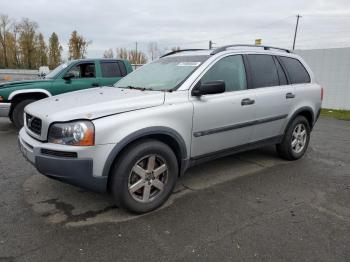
x=55, y=51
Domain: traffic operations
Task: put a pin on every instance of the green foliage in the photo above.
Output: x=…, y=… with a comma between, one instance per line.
x=338, y=114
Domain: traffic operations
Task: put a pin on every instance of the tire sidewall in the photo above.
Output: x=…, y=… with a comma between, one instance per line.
x=122, y=169
x=18, y=111
x=296, y=121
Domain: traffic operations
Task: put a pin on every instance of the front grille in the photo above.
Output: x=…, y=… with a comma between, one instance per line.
x=58, y=153
x=33, y=124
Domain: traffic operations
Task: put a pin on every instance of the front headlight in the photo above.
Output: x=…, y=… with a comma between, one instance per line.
x=79, y=133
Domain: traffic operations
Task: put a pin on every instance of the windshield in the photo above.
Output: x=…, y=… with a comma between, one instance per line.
x=56, y=71
x=167, y=73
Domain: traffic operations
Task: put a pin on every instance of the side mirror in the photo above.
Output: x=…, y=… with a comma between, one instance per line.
x=213, y=87
x=68, y=76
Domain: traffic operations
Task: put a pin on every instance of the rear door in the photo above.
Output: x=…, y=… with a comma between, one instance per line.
x=273, y=96
x=111, y=72
x=305, y=91
x=222, y=121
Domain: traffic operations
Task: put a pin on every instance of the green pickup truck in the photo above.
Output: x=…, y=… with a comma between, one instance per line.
x=72, y=76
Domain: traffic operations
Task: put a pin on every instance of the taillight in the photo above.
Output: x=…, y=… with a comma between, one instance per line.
x=322, y=93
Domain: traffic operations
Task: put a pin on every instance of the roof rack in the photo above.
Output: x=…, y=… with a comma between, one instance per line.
x=224, y=48
x=181, y=50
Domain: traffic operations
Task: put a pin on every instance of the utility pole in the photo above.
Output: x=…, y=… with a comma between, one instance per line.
x=296, y=30
x=211, y=43
x=136, y=56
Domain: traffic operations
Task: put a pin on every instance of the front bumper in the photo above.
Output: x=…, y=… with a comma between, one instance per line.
x=77, y=171
x=5, y=109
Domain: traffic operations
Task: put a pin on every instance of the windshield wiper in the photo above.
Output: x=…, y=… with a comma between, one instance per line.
x=138, y=88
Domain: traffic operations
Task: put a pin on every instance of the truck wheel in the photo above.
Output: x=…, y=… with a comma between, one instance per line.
x=18, y=111
x=296, y=139
x=144, y=176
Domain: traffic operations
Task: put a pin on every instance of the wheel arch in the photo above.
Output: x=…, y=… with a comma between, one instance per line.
x=164, y=134
x=305, y=111
x=29, y=92
x=20, y=95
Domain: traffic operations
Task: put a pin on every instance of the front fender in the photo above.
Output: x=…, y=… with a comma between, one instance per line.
x=155, y=130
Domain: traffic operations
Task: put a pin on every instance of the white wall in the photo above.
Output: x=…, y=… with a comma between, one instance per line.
x=332, y=70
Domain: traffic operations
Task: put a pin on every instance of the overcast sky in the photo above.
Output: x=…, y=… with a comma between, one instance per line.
x=188, y=23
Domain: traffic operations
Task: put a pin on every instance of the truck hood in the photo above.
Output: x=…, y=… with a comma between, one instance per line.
x=22, y=83
x=93, y=103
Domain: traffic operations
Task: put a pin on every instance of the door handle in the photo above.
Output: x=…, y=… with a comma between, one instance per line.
x=95, y=84
x=290, y=95
x=247, y=101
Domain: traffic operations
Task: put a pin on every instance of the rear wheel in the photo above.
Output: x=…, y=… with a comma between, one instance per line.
x=296, y=139
x=18, y=111
x=144, y=176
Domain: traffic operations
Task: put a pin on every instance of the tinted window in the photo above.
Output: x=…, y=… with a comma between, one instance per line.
x=281, y=74
x=296, y=71
x=263, y=70
x=110, y=69
x=86, y=70
x=229, y=69
x=122, y=68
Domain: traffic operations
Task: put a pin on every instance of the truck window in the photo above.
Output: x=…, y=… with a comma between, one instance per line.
x=110, y=69
x=85, y=70
x=296, y=71
x=122, y=68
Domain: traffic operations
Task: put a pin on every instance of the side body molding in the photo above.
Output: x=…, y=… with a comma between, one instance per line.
x=26, y=91
x=156, y=130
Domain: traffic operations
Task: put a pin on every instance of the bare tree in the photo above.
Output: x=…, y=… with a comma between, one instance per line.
x=108, y=53
x=5, y=24
x=122, y=53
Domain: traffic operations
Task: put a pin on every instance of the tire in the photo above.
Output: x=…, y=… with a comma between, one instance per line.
x=294, y=143
x=138, y=187
x=18, y=111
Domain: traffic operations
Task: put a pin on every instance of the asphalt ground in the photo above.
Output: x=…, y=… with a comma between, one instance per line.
x=247, y=207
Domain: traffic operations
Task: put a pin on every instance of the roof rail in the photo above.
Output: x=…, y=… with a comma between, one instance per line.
x=181, y=50
x=224, y=48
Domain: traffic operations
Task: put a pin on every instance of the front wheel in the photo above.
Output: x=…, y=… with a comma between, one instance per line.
x=18, y=111
x=296, y=139
x=144, y=176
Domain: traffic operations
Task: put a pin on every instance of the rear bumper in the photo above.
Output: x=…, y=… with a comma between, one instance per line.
x=71, y=170
x=5, y=109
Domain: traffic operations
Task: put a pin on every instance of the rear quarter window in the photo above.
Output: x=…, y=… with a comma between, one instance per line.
x=296, y=71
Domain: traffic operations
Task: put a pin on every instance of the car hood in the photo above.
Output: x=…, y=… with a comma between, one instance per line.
x=22, y=83
x=93, y=103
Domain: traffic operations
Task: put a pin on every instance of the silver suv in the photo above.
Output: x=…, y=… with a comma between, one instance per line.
x=135, y=139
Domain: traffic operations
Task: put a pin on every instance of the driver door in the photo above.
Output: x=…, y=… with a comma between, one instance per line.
x=84, y=76
x=222, y=121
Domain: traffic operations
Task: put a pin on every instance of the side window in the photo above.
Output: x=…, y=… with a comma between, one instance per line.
x=296, y=71
x=86, y=70
x=281, y=74
x=122, y=68
x=110, y=69
x=229, y=69
x=263, y=70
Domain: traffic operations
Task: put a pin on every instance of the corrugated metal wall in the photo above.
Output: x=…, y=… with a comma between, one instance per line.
x=332, y=70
